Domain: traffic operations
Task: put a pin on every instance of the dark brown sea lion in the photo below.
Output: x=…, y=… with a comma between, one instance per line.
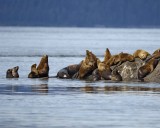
x=147, y=68
x=142, y=54
x=43, y=67
x=116, y=76
x=34, y=72
x=68, y=72
x=12, y=73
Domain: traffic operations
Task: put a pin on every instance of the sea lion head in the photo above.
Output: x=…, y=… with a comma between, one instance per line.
x=9, y=73
x=15, y=72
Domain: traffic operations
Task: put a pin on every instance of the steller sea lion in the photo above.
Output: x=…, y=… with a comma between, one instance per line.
x=34, y=72
x=104, y=70
x=120, y=58
x=107, y=55
x=12, y=73
x=43, y=67
x=157, y=51
x=68, y=71
x=146, y=69
x=142, y=54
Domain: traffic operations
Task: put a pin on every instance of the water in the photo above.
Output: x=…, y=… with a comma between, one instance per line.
x=60, y=103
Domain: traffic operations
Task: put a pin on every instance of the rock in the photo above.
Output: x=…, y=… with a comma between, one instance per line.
x=129, y=70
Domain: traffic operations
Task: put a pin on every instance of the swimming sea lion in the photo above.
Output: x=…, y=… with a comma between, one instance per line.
x=12, y=73
x=34, y=72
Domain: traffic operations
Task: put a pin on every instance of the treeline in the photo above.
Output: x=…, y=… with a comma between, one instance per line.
x=80, y=13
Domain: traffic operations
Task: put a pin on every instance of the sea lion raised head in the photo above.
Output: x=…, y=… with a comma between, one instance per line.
x=43, y=67
x=142, y=54
x=9, y=73
x=107, y=55
x=157, y=51
x=34, y=72
x=12, y=73
x=15, y=72
x=90, y=59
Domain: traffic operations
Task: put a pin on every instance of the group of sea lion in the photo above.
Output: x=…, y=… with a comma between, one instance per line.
x=120, y=67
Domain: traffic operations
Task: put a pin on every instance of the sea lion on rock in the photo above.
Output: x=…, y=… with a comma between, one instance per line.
x=157, y=51
x=34, y=72
x=120, y=58
x=104, y=70
x=115, y=76
x=12, y=73
x=147, y=68
x=142, y=54
x=88, y=65
x=107, y=55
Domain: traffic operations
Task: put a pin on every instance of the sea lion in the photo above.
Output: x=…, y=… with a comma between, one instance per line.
x=12, y=73
x=104, y=70
x=69, y=71
x=88, y=65
x=120, y=58
x=157, y=51
x=34, y=72
x=142, y=54
x=107, y=55
x=146, y=69
x=115, y=76
x=43, y=67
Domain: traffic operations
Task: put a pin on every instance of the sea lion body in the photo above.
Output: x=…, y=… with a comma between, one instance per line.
x=34, y=72
x=147, y=68
x=142, y=54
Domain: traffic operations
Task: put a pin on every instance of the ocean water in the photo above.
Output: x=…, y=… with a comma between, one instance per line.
x=39, y=103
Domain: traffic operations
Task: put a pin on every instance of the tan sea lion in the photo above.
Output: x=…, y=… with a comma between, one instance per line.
x=107, y=55
x=120, y=58
x=104, y=70
x=34, y=72
x=157, y=51
x=142, y=54
x=43, y=67
x=147, y=68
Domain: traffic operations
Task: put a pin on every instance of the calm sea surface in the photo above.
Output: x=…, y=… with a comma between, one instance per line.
x=48, y=103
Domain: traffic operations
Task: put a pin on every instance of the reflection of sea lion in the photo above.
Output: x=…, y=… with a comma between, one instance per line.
x=147, y=68
x=68, y=72
x=43, y=67
x=34, y=72
x=107, y=55
x=120, y=58
x=142, y=54
x=12, y=73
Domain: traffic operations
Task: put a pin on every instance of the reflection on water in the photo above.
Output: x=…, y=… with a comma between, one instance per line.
x=44, y=89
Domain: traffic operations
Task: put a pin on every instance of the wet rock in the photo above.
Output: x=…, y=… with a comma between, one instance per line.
x=129, y=70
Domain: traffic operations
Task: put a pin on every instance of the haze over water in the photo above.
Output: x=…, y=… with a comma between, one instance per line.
x=64, y=103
